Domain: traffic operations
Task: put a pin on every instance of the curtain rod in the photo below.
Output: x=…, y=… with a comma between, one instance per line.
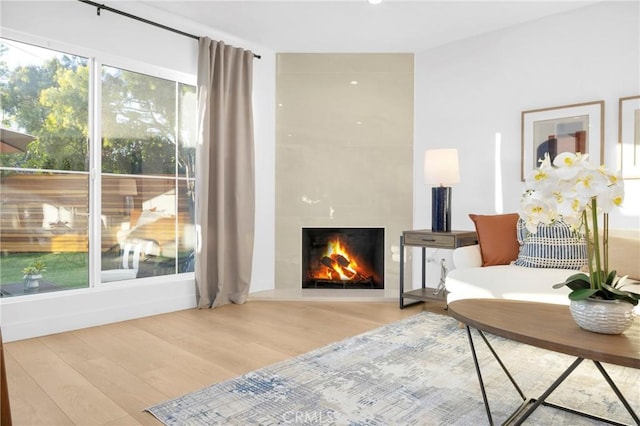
x=100, y=7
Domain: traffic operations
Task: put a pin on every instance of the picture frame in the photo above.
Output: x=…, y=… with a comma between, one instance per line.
x=629, y=137
x=567, y=128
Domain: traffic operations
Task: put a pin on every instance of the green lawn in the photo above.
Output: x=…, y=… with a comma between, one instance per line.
x=71, y=270
x=63, y=269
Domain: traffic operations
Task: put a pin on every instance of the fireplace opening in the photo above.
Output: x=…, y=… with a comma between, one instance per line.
x=348, y=258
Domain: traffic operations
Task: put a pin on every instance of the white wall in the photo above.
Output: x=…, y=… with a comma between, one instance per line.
x=61, y=24
x=468, y=91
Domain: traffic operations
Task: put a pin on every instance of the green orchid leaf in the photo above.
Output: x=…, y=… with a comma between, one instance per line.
x=582, y=293
x=612, y=289
x=631, y=295
x=578, y=284
x=611, y=277
x=580, y=276
x=575, y=282
x=633, y=299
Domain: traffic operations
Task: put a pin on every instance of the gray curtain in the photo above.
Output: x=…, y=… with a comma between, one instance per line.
x=225, y=188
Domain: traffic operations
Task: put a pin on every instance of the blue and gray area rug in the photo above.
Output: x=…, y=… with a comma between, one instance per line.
x=417, y=371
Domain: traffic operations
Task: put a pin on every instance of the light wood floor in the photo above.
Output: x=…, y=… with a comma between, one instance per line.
x=108, y=375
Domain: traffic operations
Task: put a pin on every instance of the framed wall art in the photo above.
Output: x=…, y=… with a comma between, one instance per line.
x=629, y=137
x=568, y=128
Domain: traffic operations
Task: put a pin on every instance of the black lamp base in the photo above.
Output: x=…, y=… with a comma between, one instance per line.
x=441, y=209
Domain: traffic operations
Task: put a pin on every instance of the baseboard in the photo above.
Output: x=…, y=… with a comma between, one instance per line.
x=26, y=317
x=326, y=295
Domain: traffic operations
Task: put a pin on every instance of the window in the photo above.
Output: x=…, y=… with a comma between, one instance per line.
x=147, y=170
x=145, y=188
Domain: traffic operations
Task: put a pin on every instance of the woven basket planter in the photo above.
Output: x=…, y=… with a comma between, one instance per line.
x=602, y=316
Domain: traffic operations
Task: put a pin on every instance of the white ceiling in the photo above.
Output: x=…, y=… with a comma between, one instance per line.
x=355, y=25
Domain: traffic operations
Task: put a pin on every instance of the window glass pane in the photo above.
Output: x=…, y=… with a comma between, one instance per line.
x=44, y=95
x=148, y=230
x=186, y=187
x=138, y=123
x=187, y=131
x=44, y=183
x=186, y=228
x=40, y=222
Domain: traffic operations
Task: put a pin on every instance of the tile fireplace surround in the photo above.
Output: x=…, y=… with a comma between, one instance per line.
x=344, y=156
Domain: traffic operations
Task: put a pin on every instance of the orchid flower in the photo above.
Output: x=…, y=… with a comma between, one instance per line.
x=571, y=189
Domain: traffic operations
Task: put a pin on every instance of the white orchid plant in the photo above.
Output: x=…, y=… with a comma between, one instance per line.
x=573, y=190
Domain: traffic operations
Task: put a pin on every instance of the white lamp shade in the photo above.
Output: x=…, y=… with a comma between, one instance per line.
x=441, y=167
x=128, y=187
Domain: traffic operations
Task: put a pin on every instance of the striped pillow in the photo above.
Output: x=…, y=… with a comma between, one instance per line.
x=553, y=246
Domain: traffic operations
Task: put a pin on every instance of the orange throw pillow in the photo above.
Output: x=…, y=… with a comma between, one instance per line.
x=133, y=219
x=497, y=237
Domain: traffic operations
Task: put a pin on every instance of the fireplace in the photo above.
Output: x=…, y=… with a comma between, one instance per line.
x=343, y=258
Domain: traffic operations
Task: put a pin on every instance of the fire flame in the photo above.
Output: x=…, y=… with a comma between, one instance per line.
x=343, y=264
x=338, y=264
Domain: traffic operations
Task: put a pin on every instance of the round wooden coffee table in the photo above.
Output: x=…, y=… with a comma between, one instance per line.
x=549, y=327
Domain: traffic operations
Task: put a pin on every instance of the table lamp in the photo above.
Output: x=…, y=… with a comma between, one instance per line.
x=441, y=168
x=127, y=188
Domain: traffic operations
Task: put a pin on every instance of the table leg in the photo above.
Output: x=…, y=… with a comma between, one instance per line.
x=424, y=267
x=401, y=272
x=621, y=397
x=504, y=369
x=554, y=385
x=531, y=404
x=402, y=304
x=479, y=373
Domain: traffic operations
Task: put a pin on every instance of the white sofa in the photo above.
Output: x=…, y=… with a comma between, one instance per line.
x=470, y=279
